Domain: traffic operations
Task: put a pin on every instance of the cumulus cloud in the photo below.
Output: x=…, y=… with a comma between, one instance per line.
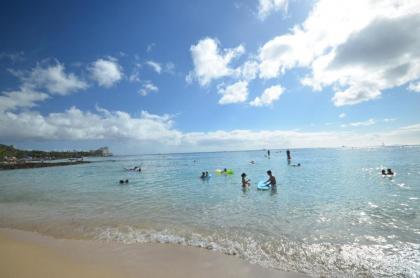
x=159, y=131
x=53, y=79
x=211, y=62
x=106, y=72
x=235, y=93
x=414, y=87
x=342, y=115
x=147, y=88
x=37, y=83
x=155, y=66
x=356, y=94
x=74, y=124
x=269, y=96
x=22, y=98
x=266, y=7
x=360, y=48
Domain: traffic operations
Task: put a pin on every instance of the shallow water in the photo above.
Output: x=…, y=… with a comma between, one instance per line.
x=335, y=215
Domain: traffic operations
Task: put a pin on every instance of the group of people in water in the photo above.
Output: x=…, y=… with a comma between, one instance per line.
x=204, y=175
x=271, y=181
x=388, y=172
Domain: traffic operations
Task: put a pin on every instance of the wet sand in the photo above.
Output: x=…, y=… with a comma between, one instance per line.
x=27, y=254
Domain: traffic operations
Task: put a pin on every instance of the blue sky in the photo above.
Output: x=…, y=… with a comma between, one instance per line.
x=155, y=76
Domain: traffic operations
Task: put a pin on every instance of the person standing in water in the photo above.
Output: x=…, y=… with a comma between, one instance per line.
x=271, y=179
x=289, y=157
x=245, y=182
x=268, y=153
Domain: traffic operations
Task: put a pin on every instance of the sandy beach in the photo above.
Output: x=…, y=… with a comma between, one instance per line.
x=27, y=254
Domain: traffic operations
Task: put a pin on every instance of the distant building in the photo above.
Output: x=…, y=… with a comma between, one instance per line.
x=105, y=151
x=9, y=160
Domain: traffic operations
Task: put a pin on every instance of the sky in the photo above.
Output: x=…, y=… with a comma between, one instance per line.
x=185, y=76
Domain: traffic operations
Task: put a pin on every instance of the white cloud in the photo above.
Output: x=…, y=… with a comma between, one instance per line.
x=368, y=122
x=22, y=98
x=211, y=62
x=266, y=7
x=359, y=47
x=134, y=76
x=235, y=93
x=269, y=96
x=342, y=115
x=159, y=131
x=147, y=88
x=106, y=72
x=150, y=47
x=135, y=73
x=389, y=120
x=155, y=66
x=53, y=79
x=74, y=124
x=170, y=67
x=356, y=94
x=414, y=87
x=249, y=70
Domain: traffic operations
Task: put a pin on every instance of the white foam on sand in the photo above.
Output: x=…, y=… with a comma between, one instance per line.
x=319, y=259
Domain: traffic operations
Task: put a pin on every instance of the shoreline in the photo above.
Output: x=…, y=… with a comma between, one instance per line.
x=29, y=254
x=31, y=165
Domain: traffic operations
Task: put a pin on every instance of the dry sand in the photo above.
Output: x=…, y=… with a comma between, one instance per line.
x=26, y=254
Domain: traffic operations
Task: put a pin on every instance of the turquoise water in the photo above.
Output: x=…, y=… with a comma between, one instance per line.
x=335, y=216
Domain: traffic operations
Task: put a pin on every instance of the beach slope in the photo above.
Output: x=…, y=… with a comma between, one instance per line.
x=26, y=254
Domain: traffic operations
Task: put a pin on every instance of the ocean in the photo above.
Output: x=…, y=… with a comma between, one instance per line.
x=333, y=216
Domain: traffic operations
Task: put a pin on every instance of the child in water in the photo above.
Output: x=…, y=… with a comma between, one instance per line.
x=245, y=182
x=271, y=179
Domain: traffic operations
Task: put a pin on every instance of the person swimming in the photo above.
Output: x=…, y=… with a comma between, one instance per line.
x=207, y=174
x=296, y=165
x=203, y=175
x=252, y=162
x=383, y=172
x=245, y=182
x=271, y=179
